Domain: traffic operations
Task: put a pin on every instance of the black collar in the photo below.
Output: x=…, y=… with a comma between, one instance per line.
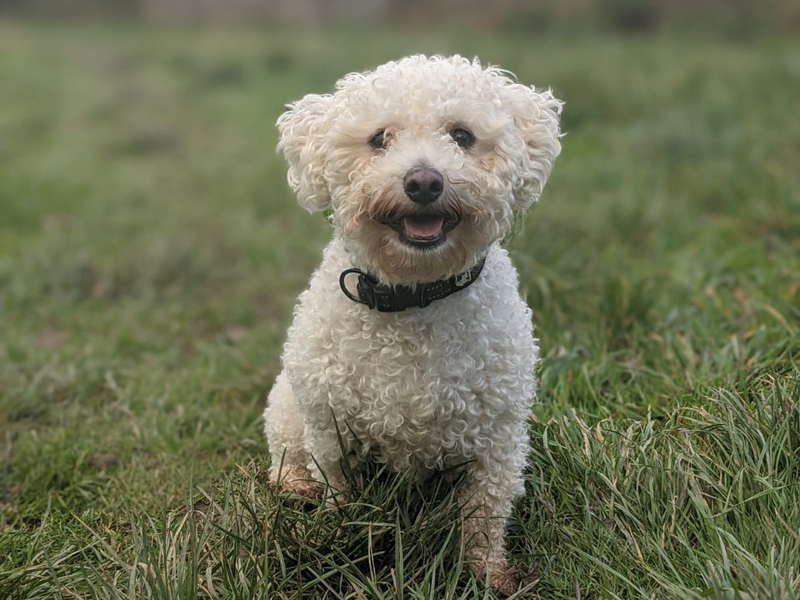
x=386, y=298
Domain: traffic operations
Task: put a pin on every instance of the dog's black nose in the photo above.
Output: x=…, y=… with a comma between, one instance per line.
x=423, y=185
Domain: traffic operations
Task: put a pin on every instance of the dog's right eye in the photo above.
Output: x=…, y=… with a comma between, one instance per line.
x=463, y=137
x=377, y=140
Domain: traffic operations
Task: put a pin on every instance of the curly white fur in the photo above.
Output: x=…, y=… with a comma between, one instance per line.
x=426, y=388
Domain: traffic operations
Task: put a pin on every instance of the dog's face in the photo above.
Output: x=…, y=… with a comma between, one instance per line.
x=423, y=161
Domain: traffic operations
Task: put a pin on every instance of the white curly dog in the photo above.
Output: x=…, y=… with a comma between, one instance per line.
x=412, y=345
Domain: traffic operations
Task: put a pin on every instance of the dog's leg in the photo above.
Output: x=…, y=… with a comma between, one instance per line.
x=483, y=528
x=284, y=428
x=329, y=449
x=487, y=500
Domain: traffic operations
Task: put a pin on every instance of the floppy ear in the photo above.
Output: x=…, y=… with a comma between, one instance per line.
x=302, y=139
x=536, y=115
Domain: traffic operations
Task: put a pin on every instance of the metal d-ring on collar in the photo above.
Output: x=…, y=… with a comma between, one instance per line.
x=384, y=298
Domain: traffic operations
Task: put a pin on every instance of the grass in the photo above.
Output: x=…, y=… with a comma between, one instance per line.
x=150, y=254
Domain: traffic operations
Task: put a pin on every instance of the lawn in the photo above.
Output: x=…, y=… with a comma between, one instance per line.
x=151, y=252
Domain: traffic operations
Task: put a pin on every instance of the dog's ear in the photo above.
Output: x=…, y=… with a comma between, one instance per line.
x=302, y=140
x=536, y=115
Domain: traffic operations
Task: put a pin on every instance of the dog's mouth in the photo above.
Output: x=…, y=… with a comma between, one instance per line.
x=423, y=230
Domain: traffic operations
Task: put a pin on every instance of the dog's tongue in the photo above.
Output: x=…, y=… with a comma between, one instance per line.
x=423, y=227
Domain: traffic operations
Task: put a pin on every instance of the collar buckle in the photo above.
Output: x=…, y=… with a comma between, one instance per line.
x=367, y=292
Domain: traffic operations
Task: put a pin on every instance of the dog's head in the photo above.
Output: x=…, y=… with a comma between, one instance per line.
x=423, y=161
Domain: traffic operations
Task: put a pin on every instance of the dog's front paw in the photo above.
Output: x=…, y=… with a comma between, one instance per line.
x=503, y=581
x=297, y=481
x=501, y=578
x=301, y=487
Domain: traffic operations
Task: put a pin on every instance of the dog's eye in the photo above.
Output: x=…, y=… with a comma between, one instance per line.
x=377, y=140
x=462, y=137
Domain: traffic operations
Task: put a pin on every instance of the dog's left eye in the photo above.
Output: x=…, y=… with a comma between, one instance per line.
x=462, y=137
x=377, y=141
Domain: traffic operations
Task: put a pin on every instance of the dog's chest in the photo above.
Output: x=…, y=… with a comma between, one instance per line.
x=416, y=388
x=403, y=390
x=427, y=386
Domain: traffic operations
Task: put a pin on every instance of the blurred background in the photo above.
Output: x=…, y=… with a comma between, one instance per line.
x=729, y=17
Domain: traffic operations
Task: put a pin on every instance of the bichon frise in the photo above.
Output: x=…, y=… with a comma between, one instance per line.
x=412, y=345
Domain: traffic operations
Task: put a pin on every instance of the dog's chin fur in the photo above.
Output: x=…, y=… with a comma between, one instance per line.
x=432, y=388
